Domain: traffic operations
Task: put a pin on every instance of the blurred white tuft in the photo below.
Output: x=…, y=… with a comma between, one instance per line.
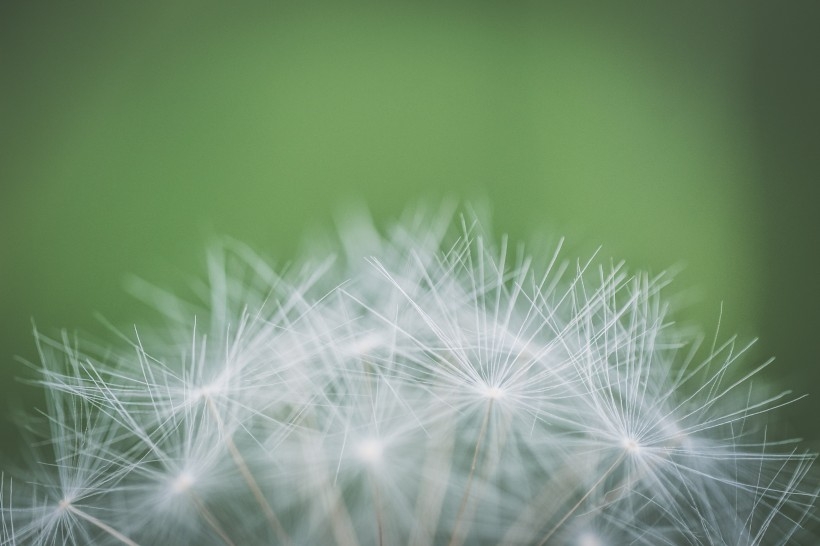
x=423, y=386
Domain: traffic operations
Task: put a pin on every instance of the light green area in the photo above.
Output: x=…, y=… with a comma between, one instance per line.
x=134, y=133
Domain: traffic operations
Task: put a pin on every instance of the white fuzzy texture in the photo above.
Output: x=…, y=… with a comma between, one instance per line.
x=420, y=387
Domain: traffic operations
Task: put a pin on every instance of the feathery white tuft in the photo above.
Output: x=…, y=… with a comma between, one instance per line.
x=423, y=387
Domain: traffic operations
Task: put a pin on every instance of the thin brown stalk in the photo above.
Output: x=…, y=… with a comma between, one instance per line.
x=379, y=517
x=434, y=487
x=455, y=538
x=331, y=499
x=211, y=520
x=247, y=475
x=578, y=504
x=97, y=523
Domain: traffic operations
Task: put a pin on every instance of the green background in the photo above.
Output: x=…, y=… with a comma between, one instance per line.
x=673, y=135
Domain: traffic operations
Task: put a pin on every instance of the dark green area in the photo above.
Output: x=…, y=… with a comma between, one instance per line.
x=130, y=133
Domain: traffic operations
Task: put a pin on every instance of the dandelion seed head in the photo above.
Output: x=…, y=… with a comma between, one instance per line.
x=370, y=451
x=211, y=390
x=182, y=483
x=204, y=392
x=589, y=538
x=492, y=392
x=423, y=389
x=631, y=446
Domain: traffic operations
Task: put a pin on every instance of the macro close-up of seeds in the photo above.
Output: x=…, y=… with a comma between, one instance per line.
x=429, y=383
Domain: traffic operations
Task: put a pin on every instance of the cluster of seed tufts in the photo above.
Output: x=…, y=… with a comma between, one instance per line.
x=423, y=386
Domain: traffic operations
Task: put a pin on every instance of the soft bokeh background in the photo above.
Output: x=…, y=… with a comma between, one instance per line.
x=131, y=132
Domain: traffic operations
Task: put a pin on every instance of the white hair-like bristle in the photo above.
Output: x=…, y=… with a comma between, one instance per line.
x=425, y=386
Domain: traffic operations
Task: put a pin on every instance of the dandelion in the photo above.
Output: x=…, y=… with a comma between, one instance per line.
x=421, y=386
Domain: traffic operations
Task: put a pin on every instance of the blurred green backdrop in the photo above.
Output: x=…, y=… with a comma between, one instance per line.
x=130, y=132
